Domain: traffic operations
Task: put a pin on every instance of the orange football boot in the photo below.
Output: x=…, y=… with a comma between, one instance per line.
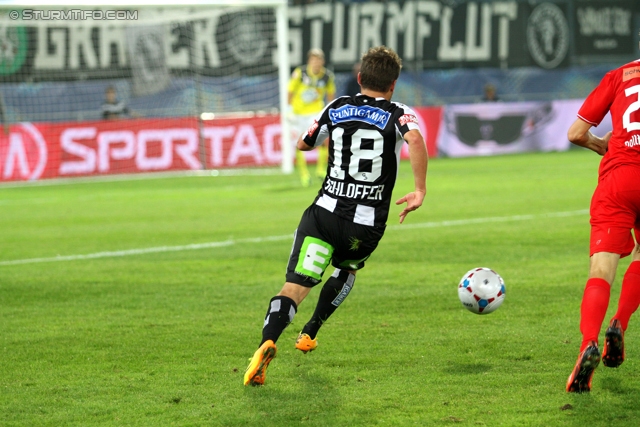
x=304, y=343
x=256, y=371
x=580, y=379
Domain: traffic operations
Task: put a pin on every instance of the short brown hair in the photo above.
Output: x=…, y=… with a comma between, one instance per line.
x=380, y=68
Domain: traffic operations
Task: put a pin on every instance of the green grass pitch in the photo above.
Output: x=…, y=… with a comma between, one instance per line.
x=135, y=336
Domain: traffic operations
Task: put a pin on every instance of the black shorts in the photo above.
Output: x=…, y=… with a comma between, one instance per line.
x=324, y=237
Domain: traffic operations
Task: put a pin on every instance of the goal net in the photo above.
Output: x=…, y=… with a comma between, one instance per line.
x=128, y=89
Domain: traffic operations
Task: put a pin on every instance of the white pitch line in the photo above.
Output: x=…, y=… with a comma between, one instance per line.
x=142, y=176
x=487, y=219
x=208, y=245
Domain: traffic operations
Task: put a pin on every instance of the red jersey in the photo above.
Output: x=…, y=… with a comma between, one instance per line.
x=618, y=92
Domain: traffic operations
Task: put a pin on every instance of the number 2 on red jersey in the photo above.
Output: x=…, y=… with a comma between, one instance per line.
x=635, y=106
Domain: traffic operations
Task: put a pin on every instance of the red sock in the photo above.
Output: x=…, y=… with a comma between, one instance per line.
x=593, y=309
x=629, y=294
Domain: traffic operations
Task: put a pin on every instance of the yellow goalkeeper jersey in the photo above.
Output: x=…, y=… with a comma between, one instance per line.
x=310, y=90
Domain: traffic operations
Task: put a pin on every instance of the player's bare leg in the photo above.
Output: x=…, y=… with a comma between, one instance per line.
x=603, y=265
x=294, y=291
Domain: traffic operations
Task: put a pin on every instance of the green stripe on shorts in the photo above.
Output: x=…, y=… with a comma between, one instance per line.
x=314, y=258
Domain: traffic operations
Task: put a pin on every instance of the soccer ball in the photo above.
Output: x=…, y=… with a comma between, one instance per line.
x=481, y=290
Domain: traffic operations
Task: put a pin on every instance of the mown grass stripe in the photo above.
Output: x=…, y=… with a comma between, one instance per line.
x=231, y=242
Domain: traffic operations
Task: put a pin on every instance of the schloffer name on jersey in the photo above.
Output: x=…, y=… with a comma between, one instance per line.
x=354, y=191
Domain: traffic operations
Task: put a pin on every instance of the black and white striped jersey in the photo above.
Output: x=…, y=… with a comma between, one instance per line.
x=365, y=138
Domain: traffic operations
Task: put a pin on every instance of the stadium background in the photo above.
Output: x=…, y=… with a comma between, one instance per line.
x=138, y=301
x=545, y=56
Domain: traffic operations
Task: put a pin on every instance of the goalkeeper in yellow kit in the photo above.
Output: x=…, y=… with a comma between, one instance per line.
x=310, y=88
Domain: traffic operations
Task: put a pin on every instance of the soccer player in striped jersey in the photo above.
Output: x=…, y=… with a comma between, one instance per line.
x=348, y=217
x=615, y=211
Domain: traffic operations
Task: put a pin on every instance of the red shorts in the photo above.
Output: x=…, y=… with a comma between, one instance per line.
x=615, y=211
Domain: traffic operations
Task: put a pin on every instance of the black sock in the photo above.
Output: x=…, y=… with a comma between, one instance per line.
x=279, y=314
x=334, y=291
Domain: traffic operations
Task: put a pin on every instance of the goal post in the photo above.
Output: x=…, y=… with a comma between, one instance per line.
x=286, y=145
x=126, y=88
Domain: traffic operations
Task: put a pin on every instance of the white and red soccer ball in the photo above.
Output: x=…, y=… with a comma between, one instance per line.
x=481, y=290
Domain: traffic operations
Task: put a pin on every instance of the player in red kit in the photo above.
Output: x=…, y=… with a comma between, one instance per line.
x=615, y=211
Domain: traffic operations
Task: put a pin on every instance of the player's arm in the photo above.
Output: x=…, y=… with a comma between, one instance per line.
x=303, y=146
x=580, y=134
x=592, y=111
x=317, y=133
x=419, y=158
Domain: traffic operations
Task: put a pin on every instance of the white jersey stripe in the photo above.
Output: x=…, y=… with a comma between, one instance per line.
x=329, y=203
x=365, y=215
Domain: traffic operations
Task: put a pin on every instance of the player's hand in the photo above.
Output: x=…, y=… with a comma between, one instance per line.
x=606, y=139
x=413, y=200
x=636, y=253
x=600, y=145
